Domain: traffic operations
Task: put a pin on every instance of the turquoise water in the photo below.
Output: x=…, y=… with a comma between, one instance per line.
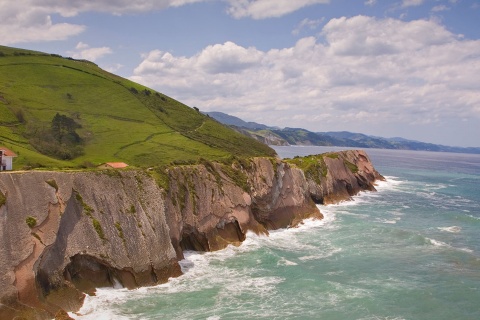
x=409, y=251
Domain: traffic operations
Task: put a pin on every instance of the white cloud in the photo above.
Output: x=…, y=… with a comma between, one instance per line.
x=440, y=8
x=307, y=23
x=412, y=3
x=227, y=58
x=30, y=25
x=262, y=9
x=364, y=69
x=370, y=2
x=83, y=51
x=31, y=20
x=114, y=67
x=81, y=46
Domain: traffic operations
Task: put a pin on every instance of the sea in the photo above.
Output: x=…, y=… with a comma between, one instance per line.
x=411, y=250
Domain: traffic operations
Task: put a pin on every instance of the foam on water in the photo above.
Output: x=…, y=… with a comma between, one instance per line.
x=438, y=243
x=390, y=182
x=206, y=270
x=441, y=244
x=101, y=306
x=452, y=229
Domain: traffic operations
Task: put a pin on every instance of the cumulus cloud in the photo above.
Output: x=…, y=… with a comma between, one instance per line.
x=362, y=68
x=83, y=51
x=261, y=9
x=227, y=58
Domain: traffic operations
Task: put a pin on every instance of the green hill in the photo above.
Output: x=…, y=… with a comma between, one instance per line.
x=58, y=112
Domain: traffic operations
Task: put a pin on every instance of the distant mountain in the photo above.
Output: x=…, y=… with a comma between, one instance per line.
x=299, y=136
x=234, y=121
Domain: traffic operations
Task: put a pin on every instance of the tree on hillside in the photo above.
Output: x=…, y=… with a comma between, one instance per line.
x=59, y=140
x=63, y=129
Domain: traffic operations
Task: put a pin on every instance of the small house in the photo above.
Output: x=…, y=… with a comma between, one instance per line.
x=6, y=159
x=113, y=165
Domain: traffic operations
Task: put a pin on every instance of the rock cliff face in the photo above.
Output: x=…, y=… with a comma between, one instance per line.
x=63, y=234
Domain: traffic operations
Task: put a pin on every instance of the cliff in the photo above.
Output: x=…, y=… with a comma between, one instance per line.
x=64, y=234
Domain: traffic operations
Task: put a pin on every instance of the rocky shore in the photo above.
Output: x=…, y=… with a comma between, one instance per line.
x=63, y=234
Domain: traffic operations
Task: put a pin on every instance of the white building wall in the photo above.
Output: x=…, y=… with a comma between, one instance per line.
x=8, y=162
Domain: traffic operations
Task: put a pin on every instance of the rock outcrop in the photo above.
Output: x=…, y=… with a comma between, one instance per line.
x=63, y=234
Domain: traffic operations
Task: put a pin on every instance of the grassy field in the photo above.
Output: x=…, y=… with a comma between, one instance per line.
x=120, y=120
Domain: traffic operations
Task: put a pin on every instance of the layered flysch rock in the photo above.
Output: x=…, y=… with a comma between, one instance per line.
x=63, y=234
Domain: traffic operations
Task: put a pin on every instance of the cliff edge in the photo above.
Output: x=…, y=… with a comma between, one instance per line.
x=64, y=234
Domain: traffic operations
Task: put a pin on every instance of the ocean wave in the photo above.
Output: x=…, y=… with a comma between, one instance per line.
x=473, y=217
x=442, y=244
x=436, y=186
x=320, y=255
x=438, y=243
x=452, y=229
x=388, y=221
x=390, y=182
x=102, y=305
x=374, y=317
x=284, y=262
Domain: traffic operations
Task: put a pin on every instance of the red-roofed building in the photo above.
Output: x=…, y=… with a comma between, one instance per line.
x=6, y=159
x=113, y=165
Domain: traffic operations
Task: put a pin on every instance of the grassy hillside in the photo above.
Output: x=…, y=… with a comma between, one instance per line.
x=114, y=119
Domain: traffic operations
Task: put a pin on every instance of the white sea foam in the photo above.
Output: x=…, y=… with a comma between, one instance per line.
x=386, y=221
x=285, y=262
x=322, y=255
x=375, y=317
x=101, y=306
x=473, y=217
x=436, y=186
x=452, y=229
x=438, y=243
x=397, y=212
x=389, y=183
x=442, y=244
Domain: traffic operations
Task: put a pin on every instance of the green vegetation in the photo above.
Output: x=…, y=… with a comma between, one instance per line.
x=37, y=237
x=98, y=228
x=313, y=166
x=332, y=155
x=160, y=174
x=86, y=208
x=89, y=212
x=237, y=175
x=353, y=168
x=31, y=222
x=211, y=169
x=61, y=113
x=120, y=231
x=3, y=199
x=52, y=183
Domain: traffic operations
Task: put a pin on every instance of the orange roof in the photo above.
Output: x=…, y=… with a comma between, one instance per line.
x=7, y=152
x=117, y=165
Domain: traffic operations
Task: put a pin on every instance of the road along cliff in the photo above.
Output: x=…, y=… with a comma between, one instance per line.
x=63, y=234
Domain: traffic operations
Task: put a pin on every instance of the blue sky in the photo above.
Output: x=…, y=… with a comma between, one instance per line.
x=408, y=68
